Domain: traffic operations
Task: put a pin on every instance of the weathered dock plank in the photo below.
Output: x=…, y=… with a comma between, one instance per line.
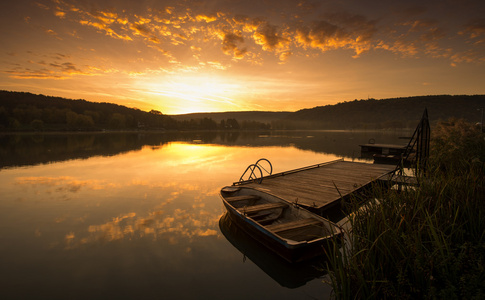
x=321, y=186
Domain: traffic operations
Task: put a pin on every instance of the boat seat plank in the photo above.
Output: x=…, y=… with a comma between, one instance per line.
x=293, y=225
x=262, y=215
x=261, y=207
x=242, y=198
x=266, y=218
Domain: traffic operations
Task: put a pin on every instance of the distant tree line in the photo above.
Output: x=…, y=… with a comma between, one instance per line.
x=386, y=113
x=27, y=112
x=225, y=124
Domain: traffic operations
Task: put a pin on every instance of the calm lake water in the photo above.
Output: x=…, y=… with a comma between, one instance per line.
x=138, y=216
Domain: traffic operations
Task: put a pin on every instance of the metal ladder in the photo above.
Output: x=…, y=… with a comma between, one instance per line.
x=255, y=170
x=417, y=150
x=419, y=146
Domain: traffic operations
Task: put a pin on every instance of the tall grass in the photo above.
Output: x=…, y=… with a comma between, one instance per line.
x=426, y=242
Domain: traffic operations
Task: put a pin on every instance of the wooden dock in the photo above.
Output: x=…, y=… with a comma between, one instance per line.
x=383, y=148
x=321, y=186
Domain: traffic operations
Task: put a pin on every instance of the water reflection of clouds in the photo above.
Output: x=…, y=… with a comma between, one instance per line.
x=171, y=226
x=187, y=219
x=71, y=184
x=64, y=183
x=173, y=211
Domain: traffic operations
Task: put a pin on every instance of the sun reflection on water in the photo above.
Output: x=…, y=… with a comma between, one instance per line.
x=158, y=193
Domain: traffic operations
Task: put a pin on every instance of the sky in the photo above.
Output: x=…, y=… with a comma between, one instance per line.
x=188, y=56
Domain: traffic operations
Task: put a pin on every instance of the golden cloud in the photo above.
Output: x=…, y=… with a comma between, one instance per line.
x=285, y=56
x=326, y=36
x=52, y=33
x=172, y=30
x=400, y=47
x=205, y=18
x=139, y=29
x=267, y=36
x=245, y=23
x=60, y=14
x=216, y=65
x=108, y=31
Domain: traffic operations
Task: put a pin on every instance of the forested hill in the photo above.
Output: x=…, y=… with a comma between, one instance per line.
x=386, y=113
x=21, y=111
x=26, y=112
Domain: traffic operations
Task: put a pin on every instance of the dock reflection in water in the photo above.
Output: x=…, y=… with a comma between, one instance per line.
x=286, y=274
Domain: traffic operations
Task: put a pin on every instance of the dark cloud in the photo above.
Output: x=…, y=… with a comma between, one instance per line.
x=352, y=33
x=476, y=30
x=52, y=67
x=316, y=34
x=268, y=37
x=33, y=74
x=146, y=32
x=70, y=68
x=140, y=30
x=230, y=45
x=66, y=69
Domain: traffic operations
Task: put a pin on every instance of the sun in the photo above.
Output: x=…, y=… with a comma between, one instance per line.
x=194, y=93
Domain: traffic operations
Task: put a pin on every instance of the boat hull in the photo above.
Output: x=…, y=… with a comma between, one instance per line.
x=288, y=275
x=291, y=251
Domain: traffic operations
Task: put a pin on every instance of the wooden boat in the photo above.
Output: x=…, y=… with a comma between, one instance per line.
x=284, y=273
x=290, y=231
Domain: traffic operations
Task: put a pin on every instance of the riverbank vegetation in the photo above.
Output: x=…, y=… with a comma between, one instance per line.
x=426, y=242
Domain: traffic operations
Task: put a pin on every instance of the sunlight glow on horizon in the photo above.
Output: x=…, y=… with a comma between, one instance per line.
x=193, y=93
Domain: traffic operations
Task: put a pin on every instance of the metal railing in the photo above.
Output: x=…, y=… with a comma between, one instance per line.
x=257, y=169
x=417, y=150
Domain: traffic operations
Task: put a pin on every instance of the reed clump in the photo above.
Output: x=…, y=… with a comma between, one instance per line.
x=425, y=242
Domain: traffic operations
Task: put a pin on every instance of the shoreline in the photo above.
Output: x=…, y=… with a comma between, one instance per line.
x=158, y=131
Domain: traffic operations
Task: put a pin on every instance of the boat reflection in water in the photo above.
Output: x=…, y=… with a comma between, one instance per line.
x=286, y=274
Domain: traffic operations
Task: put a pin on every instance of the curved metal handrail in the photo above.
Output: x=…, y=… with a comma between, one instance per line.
x=252, y=167
x=269, y=163
x=259, y=167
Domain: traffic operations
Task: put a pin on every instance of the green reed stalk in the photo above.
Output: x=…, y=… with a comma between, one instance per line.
x=425, y=242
